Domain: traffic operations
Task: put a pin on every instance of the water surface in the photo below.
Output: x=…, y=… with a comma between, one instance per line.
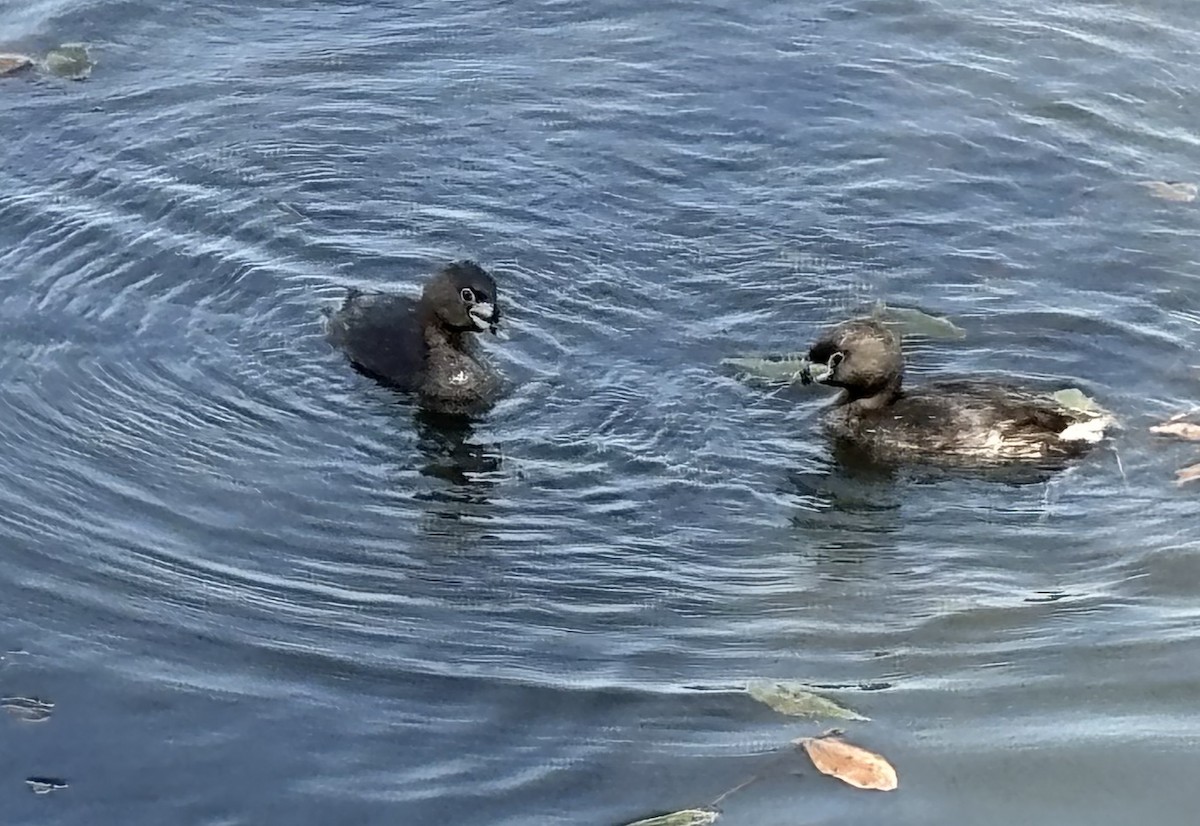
x=261, y=589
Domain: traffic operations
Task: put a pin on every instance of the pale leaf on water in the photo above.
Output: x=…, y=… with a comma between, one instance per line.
x=686, y=817
x=850, y=763
x=914, y=322
x=13, y=63
x=1188, y=474
x=798, y=700
x=1180, y=430
x=45, y=785
x=1179, y=191
x=779, y=368
x=1072, y=398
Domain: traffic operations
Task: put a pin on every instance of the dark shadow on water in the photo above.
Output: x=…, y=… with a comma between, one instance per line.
x=450, y=453
x=463, y=473
x=852, y=483
x=858, y=501
x=857, y=511
x=851, y=462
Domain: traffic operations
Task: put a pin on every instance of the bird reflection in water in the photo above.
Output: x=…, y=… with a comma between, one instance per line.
x=450, y=453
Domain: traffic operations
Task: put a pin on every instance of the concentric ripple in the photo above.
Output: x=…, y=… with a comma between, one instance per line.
x=266, y=588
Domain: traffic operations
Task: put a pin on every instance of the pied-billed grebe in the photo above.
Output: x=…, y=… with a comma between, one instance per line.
x=960, y=422
x=426, y=345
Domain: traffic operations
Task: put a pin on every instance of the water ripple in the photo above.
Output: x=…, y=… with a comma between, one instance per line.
x=206, y=510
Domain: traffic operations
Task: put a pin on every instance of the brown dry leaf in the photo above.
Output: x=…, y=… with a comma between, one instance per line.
x=1188, y=474
x=1179, y=191
x=1182, y=430
x=10, y=63
x=849, y=763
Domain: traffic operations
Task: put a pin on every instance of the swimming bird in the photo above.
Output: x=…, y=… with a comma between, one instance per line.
x=425, y=346
x=952, y=422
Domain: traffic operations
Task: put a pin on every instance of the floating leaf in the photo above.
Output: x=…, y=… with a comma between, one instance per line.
x=1188, y=474
x=914, y=322
x=849, y=763
x=1181, y=430
x=13, y=63
x=686, y=817
x=70, y=60
x=1178, y=191
x=29, y=709
x=798, y=700
x=778, y=368
x=45, y=785
x=1072, y=398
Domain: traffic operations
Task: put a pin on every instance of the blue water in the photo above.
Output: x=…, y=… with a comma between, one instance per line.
x=261, y=589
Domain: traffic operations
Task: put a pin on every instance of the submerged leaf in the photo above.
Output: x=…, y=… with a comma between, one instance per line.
x=29, y=709
x=1188, y=474
x=914, y=322
x=798, y=700
x=686, y=817
x=850, y=763
x=777, y=368
x=70, y=60
x=1181, y=430
x=13, y=63
x=1179, y=191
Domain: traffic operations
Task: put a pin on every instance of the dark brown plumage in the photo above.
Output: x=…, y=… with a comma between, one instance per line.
x=956, y=422
x=426, y=345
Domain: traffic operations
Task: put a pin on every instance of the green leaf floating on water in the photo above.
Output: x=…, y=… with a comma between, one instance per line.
x=782, y=368
x=914, y=322
x=798, y=700
x=70, y=60
x=687, y=817
x=1072, y=398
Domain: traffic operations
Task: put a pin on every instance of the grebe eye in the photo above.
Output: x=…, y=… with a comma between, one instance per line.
x=467, y=295
x=836, y=359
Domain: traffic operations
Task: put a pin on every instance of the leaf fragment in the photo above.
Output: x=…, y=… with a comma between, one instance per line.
x=1181, y=430
x=799, y=700
x=850, y=763
x=12, y=63
x=1188, y=474
x=45, y=785
x=784, y=368
x=1072, y=398
x=914, y=322
x=685, y=817
x=1178, y=191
